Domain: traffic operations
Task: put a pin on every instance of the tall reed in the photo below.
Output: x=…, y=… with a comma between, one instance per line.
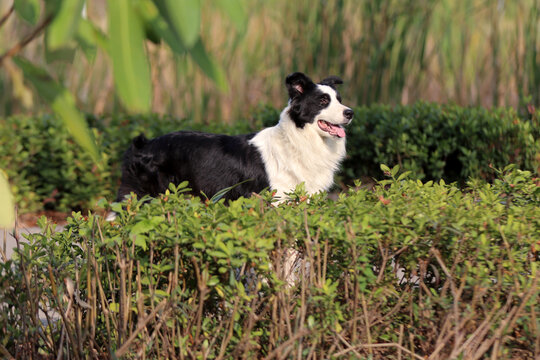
x=470, y=52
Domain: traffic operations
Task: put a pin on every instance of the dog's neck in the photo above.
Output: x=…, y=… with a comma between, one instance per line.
x=293, y=155
x=309, y=137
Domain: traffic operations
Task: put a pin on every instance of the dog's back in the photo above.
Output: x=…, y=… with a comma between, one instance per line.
x=209, y=162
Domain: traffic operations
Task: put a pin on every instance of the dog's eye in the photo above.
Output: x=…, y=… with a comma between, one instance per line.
x=325, y=100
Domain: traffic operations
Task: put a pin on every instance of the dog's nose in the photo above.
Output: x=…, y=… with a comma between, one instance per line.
x=348, y=113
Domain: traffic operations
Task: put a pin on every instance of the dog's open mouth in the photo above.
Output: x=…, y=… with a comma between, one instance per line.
x=332, y=129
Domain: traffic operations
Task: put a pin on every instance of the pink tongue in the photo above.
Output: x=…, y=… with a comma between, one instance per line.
x=336, y=130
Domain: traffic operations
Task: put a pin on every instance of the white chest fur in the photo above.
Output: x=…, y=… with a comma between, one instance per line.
x=292, y=155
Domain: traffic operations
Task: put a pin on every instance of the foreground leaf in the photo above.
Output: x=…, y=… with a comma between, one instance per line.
x=183, y=16
x=130, y=64
x=236, y=12
x=87, y=39
x=150, y=14
x=27, y=10
x=62, y=103
x=221, y=193
x=209, y=66
x=64, y=25
x=156, y=25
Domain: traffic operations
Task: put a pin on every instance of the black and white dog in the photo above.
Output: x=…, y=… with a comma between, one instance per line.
x=307, y=145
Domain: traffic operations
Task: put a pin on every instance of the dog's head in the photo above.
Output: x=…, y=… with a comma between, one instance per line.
x=318, y=105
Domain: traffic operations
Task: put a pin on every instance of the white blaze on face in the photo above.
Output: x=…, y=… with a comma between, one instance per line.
x=331, y=119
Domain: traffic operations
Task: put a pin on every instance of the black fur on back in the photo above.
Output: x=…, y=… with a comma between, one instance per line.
x=209, y=162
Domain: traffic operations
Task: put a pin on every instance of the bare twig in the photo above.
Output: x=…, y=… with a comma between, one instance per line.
x=366, y=321
x=141, y=326
x=349, y=346
x=6, y=16
x=20, y=45
x=509, y=321
x=375, y=346
x=203, y=290
x=6, y=353
x=230, y=330
x=277, y=351
x=400, y=340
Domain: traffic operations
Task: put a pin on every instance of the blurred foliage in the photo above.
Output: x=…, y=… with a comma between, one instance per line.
x=67, y=29
x=470, y=52
x=396, y=270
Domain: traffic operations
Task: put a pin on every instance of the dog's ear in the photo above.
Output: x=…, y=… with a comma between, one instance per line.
x=332, y=81
x=297, y=84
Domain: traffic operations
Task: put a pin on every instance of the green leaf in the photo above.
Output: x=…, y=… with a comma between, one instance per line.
x=183, y=17
x=140, y=240
x=208, y=66
x=223, y=247
x=52, y=7
x=311, y=321
x=146, y=225
x=65, y=53
x=102, y=203
x=395, y=170
x=154, y=23
x=62, y=103
x=92, y=35
x=28, y=10
x=182, y=185
x=214, y=280
x=142, y=227
x=130, y=64
x=150, y=14
x=114, y=307
x=404, y=175
x=236, y=12
x=385, y=169
x=221, y=193
x=87, y=38
x=7, y=207
x=65, y=23
x=116, y=207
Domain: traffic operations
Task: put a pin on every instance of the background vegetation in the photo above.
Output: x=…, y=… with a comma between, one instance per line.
x=470, y=52
x=431, y=141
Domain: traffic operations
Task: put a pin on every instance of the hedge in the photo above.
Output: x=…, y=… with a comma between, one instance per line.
x=408, y=269
x=442, y=141
x=433, y=141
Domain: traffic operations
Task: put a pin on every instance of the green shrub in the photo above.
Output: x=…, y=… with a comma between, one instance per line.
x=177, y=277
x=433, y=141
x=440, y=141
x=46, y=168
